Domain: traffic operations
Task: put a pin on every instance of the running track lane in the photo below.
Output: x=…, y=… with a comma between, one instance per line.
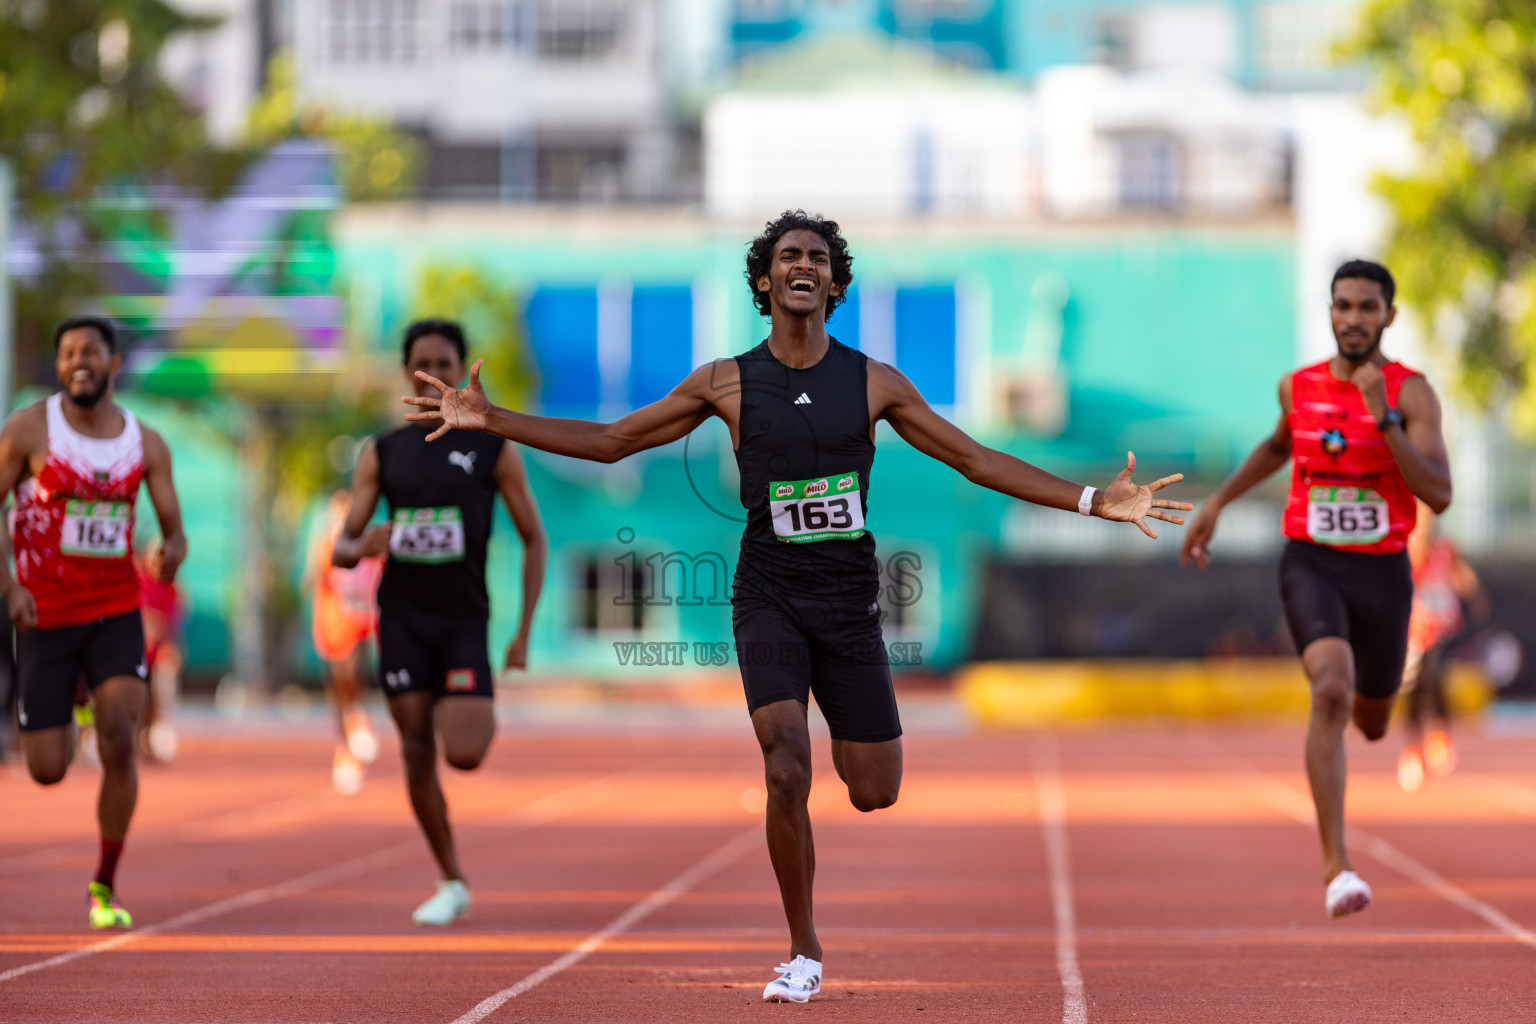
x=1190, y=891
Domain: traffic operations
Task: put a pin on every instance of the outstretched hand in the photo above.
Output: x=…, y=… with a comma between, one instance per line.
x=1126, y=501
x=464, y=408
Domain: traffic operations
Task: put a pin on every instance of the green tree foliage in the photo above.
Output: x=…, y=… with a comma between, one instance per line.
x=375, y=162
x=1463, y=240
x=489, y=313
x=84, y=110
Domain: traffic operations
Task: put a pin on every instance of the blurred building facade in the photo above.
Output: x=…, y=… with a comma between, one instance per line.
x=1081, y=227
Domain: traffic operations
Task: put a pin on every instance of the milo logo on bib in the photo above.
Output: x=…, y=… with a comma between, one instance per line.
x=1346, y=515
x=803, y=512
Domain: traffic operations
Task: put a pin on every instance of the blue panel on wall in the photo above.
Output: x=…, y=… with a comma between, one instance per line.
x=843, y=324
x=660, y=340
x=562, y=329
x=925, y=340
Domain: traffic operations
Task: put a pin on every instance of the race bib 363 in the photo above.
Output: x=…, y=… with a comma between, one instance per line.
x=1346, y=515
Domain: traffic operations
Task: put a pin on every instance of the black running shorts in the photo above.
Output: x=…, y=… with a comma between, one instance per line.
x=789, y=649
x=51, y=662
x=1364, y=599
x=447, y=657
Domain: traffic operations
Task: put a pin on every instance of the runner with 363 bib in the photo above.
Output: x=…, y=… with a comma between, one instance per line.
x=434, y=610
x=1363, y=435
x=801, y=409
x=76, y=461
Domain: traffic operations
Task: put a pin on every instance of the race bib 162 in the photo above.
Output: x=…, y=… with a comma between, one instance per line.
x=827, y=508
x=96, y=529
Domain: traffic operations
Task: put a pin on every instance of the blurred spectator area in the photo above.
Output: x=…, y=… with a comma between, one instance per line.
x=1173, y=108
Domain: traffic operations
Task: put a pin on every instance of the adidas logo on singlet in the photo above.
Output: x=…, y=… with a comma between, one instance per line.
x=804, y=399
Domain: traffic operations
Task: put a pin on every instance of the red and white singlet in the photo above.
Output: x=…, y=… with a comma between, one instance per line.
x=73, y=524
x=1346, y=489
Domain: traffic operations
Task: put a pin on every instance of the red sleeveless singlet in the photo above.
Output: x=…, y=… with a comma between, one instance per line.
x=1346, y=489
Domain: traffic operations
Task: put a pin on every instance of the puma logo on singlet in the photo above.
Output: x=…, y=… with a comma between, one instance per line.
x=464, y=461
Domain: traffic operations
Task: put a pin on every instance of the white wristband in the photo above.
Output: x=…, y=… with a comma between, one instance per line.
x=1085, y=503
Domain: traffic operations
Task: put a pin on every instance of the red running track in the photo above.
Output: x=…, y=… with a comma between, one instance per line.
x=624, y=878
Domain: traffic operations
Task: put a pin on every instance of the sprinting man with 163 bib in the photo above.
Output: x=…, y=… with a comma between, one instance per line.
x=801, y=409
x=1363, y=435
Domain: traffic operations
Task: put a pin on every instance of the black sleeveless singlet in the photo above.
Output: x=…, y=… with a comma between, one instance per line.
x=796, y=425
x=458, y=470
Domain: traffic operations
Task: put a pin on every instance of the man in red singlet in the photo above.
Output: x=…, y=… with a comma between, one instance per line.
x=161, y=604
x=1443, y=584
x=75, y=461
x=1363, y=434
x=345, y=617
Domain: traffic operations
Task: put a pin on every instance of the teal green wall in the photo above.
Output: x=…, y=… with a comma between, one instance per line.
x=1173, y=341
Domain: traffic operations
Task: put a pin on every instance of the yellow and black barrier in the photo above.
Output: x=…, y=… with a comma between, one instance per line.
x=1031, y=694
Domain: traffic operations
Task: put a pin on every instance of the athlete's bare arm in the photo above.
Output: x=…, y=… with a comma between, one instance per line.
x=1272, y=453
x=1419, y=447
x=24, y=434
x=512, y=481
x=162, y=495
x=702, y=394
x=894, y=399
x=357, y=539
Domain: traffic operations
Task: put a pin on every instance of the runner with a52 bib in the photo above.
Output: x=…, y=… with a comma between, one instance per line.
x=1363, y=434
x=434, y=609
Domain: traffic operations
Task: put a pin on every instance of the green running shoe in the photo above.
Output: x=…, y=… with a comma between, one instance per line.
x=85, y=714
x=104, y=911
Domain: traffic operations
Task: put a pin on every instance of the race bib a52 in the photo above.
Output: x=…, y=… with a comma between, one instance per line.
x=427, y=535
x=96, y=529
x=1346, y=515
x=827, y=508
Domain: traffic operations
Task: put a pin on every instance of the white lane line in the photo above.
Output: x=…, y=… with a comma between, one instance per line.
x=723, y=856
x=183, y=830
x=543, y=811
x=1285, y=799
x=337, y=872
x=1052, y=801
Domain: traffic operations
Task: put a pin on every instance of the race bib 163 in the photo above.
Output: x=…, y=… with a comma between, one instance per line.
x=827, y=508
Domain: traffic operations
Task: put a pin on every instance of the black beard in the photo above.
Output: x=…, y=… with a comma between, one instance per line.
x=87, y=399
x=1363, y=356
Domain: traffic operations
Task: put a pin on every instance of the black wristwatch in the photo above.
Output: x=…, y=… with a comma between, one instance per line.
x=1393, y=418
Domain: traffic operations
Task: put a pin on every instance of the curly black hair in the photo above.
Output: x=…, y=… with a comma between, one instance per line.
x=760, y=254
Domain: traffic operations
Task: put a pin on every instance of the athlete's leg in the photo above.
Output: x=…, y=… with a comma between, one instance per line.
x=872, y=772
x=119, y=710
x=48, y=752
x=466, y=726
x=1330, y=667
x=412, y=712
x=785, y=738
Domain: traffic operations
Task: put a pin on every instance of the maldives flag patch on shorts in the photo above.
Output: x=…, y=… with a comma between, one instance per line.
x=460, y=680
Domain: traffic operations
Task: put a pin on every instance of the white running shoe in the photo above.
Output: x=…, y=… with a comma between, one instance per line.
x=1347, y=894
x=798, y=980
x=445, y=906
x=162, y=743
x=360, y=739
x=346, y=772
